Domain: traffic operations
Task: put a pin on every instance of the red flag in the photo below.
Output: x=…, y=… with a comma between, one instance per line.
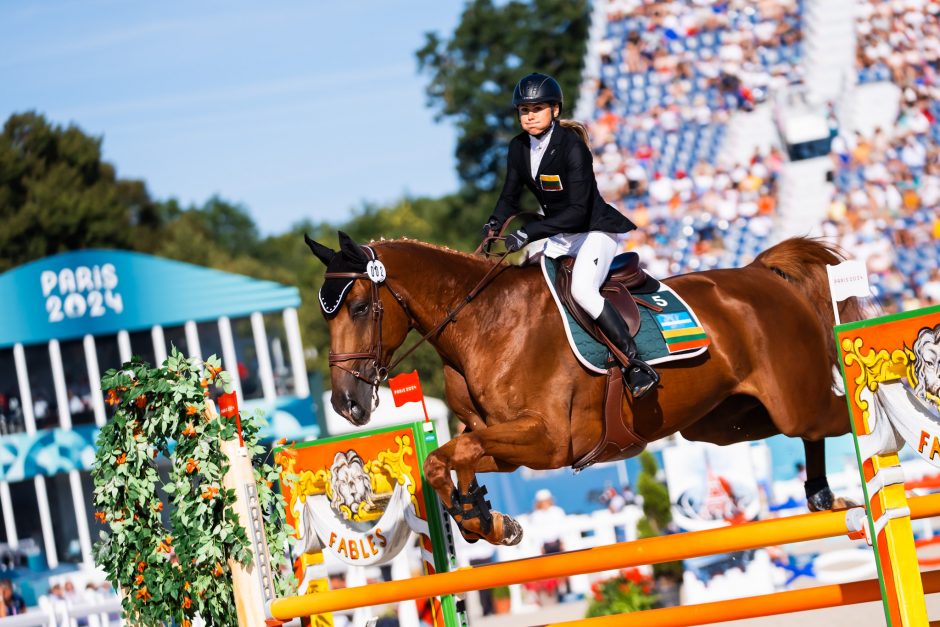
x=406, y=388
x=228, y=408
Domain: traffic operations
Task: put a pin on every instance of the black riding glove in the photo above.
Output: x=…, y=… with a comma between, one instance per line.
x=492, y=226
x=515, y=241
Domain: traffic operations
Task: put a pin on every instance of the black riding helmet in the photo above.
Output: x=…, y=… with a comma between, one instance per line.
x=536, y=88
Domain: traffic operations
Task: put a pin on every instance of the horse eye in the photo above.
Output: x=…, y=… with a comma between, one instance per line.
x=358, y=308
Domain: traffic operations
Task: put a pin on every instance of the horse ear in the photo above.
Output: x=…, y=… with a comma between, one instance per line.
x=323, y=253
x=351, y=249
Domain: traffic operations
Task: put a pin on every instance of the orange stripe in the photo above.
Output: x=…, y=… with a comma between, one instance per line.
x=681, y=346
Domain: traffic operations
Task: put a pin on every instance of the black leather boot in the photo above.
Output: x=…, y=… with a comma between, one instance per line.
x=638, y=375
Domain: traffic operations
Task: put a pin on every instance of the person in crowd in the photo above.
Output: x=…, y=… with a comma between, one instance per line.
x=547, y=521
x=13, y=603
x=552, y=158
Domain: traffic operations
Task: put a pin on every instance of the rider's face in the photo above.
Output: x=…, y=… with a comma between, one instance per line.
x=535, y=118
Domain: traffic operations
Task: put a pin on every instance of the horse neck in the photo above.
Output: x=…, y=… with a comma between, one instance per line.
x=433, y=282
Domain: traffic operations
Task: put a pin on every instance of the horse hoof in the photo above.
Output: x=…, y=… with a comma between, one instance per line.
x=512, y=531
x=821, y=501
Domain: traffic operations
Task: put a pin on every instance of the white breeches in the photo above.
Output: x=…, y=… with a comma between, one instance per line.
x=593, y=253
x=590, y=269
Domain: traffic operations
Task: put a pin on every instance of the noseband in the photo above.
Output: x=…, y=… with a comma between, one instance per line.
x=375, y=273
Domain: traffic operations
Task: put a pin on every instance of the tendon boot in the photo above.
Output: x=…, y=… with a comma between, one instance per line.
x=638, y=375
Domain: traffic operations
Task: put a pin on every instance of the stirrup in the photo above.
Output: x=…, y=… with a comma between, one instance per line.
x=480, y=507
x=640, y=378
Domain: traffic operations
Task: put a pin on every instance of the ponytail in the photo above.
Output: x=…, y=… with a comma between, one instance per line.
x=578, y=128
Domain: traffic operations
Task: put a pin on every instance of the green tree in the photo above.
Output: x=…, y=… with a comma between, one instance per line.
x=56, y=194
x=657, y=511
x=473, y=73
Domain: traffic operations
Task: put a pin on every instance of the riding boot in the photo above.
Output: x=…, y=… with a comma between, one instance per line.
x=639, y=376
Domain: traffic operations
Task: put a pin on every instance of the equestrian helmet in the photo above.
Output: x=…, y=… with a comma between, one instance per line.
x=536, y=88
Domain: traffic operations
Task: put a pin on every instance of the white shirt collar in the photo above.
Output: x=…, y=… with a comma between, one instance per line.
x=536, y=143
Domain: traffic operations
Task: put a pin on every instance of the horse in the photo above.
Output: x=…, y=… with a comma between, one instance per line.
x=525, y=400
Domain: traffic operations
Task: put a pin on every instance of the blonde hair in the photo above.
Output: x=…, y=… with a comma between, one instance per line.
x=578, y=128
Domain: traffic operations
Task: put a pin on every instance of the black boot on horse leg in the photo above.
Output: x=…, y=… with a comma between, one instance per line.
x=637, y=374
x=819, y=497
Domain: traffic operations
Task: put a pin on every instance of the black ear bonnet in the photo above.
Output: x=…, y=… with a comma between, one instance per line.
x=350, y=258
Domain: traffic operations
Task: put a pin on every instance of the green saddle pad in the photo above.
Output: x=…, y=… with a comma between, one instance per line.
x=668, y=335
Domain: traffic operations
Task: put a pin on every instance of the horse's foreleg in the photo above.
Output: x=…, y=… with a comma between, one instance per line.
x=524, y=441
x=818, y=495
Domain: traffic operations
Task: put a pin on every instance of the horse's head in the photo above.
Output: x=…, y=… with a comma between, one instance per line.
x=365, y=321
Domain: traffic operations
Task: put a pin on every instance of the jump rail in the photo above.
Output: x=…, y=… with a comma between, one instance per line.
x=754, y=535
x=753, y=607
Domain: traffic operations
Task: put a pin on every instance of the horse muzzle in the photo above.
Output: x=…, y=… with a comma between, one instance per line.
x=351, y=409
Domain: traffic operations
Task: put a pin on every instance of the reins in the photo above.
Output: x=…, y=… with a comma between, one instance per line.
x=376, y=349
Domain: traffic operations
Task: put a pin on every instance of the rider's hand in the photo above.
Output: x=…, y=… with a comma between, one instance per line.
x=492, y=226
x=515, y=241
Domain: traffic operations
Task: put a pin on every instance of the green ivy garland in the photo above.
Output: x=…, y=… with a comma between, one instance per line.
x=173, y=574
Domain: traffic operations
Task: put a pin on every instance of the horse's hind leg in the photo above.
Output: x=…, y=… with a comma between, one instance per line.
x=818, y=495
x=501, y=447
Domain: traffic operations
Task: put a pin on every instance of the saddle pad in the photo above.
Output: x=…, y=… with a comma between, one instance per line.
x=670, y=335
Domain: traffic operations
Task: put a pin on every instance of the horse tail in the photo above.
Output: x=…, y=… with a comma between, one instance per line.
x=802, y=261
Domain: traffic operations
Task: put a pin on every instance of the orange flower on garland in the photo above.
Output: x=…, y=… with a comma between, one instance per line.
x=191, y=465
x=141, y=401
x=186, y=623
x=101, y=517
x=191, y=410
x=210, y=492
x=213, y=371
x=113, y=398
x=189, y=431
x=143, y=595
x=187, y=603
x=158, y=507
x=141, y=566
x=139, y=579
x=217, y=571
x=166, y=546
x=121, y=458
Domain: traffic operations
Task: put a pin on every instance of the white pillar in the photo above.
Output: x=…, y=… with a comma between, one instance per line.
x=296, y=347
x=159, y=345
x=81, y=518
x=26, y=395
x=229, y=357
x=9, y=523
x=61, y=391
x=265, y=372
x=124, y=346
x=193, y=349
x=94, y=379
x=45, y=520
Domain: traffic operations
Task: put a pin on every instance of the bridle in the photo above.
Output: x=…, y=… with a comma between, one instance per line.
x=375, y=274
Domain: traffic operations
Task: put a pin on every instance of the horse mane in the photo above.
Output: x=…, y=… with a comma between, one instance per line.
x=802, y=261
x=385, y=243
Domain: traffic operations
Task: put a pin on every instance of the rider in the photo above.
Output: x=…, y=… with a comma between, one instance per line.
x=552, y=159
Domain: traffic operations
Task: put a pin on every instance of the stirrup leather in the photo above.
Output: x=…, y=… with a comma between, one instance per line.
x=480, y=507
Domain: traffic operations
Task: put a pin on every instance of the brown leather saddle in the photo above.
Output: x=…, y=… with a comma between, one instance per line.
x=618, y=439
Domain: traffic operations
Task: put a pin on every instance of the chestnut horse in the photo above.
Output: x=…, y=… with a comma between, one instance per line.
x=524, y=398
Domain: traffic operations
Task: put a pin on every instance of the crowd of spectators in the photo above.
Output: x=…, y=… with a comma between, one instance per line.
x=887, y=185
x=671, y=75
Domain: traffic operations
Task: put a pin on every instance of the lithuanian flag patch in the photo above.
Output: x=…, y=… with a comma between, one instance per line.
x=550, y=182
x=681, y=331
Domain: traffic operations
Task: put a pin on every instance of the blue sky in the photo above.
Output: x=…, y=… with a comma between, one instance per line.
x=295, y=109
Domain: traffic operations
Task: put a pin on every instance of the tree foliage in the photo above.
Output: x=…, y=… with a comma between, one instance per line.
x=56, y=194
x=472, y=73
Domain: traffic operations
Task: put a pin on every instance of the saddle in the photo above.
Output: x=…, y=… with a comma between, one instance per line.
x=618, y=439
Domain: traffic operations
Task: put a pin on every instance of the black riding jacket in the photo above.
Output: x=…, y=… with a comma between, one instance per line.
x=564, y=186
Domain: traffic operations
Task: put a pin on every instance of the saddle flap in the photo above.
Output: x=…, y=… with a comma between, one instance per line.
x=614, y=289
